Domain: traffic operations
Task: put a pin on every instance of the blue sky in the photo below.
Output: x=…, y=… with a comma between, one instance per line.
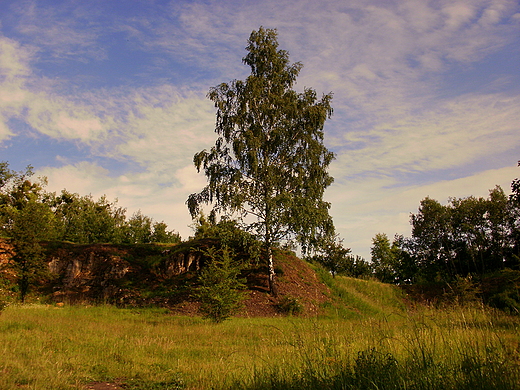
x=109, y=97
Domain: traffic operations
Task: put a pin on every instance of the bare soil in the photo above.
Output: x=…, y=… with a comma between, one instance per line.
x=295, y=279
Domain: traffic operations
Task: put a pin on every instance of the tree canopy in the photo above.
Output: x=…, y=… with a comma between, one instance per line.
x=269, y=162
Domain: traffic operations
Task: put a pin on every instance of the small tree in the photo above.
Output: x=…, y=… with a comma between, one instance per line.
x=138, y=229
x=219, y=290
x=26, y=220
x=30, y=225
x=269, y=162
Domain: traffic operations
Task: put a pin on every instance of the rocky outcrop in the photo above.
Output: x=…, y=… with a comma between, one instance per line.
x=111, y=273
x=117, y=274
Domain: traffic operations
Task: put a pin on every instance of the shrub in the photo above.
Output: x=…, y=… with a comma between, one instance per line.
x=219, y=290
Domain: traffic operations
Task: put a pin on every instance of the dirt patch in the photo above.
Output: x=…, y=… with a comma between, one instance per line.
x=295, y=279
x=103, y=386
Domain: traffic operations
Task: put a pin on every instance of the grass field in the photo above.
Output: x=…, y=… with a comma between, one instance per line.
x=381, y=344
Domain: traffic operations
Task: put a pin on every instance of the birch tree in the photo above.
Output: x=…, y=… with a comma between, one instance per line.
x=269, y=162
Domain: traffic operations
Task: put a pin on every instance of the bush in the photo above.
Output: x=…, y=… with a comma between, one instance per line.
x=502, y=290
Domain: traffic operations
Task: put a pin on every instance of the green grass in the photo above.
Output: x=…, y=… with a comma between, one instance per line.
x=359, y=298
x=383, y=345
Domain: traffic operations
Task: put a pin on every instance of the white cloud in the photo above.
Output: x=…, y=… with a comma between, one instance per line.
x=166, y=128
x=60, y=118
x=13, y=59
x=458, y=14
x=134, y=191
x=452, y=134
x=5, y=132
x=83, y=178
x=14, y=71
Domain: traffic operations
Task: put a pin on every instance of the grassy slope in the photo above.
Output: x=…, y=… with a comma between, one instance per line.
x=357, y=298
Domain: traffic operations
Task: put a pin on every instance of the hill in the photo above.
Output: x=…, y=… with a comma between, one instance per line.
x=163, y=275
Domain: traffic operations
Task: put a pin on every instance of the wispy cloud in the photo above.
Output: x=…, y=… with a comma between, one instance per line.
x=401, y=131
x=449, y=134
x=67, y=31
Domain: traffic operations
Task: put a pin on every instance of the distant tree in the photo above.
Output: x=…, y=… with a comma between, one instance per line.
x=357, y=267
x=514, y=222
x=86, y=221
x=5, y=174
x=467, y=236
x=138, y=229
x=228, y=233
x=432, y=236
x=405, y=266
x=334, y=257
x=25, y=221
x=269, y=161
x=383, y=259
x=163, y=235
x=16, y=188
x=515, y=188
x=219, y=291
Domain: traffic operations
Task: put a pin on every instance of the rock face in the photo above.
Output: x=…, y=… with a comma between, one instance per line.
x=140, y=275
x=115, y=274
x=111, y=273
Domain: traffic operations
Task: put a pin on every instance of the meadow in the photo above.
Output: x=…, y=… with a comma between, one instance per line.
x=371, y=341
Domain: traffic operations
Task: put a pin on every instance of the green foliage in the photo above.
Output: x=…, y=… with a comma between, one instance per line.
x=228, y=233
x=470, y=235
x=16, y=188
x=464, y=290
x=375, y=369
x=392, y=263
x=467, y=236
x=269, y=161
x=28, y=226
x=163, y=235
x=84, y=220
x=502, y=290
x=219, y=290
x=337, y=259
x=382, y=257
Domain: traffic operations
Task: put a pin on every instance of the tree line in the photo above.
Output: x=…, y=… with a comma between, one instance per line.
x=467, y=236
x=29, y=216
x=68, y=216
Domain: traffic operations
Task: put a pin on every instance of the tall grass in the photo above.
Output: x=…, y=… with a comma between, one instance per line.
x=369, y=340
x=46, y=347
x=462, y=348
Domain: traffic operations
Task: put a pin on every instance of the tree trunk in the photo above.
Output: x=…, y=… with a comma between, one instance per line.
x=271, y=274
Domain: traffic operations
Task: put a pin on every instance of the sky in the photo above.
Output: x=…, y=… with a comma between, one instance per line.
x=108, y=97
